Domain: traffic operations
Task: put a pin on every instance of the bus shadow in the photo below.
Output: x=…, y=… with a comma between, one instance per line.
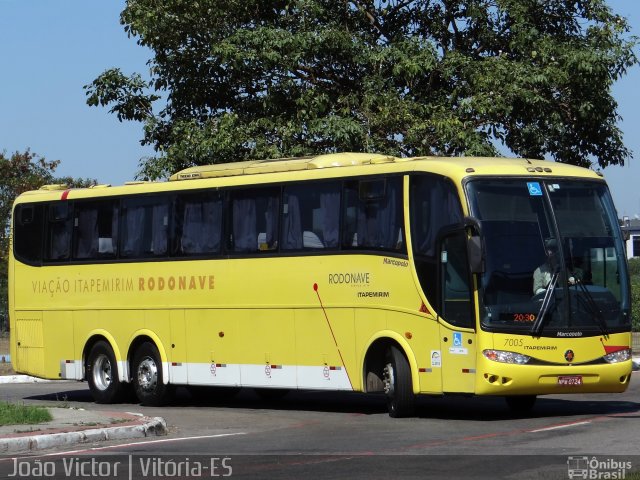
x=452, y=407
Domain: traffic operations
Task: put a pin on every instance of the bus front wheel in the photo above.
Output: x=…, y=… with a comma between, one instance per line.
x=102, y=374
x=147, y=376
x=398, y=385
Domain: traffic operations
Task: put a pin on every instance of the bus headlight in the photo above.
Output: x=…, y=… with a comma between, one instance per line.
x=506, y=357
x=619, y=356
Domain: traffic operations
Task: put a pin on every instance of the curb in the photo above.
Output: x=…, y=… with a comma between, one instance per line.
x=148, y=427
x=23, y=379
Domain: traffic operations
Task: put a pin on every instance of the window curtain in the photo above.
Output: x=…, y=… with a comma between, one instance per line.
x=159, y=225
x=87, y=243
x=330, y=206
x=245, y=238
x=292, y=229
x=114, y=231
x=134, y=230
x=60, y=236
x=201, y=231
x=379, y=221
x=271, y=222
x=440, y=208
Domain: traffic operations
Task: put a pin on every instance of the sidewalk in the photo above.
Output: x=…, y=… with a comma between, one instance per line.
x=72, y=427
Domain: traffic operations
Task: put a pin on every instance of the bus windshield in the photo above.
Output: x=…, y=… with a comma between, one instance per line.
x=555, y=263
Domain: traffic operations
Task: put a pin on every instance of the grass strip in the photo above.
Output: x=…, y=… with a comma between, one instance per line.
x=13, y=414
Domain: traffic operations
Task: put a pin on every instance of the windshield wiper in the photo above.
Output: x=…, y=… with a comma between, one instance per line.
x=546, y=303
x=591, y=306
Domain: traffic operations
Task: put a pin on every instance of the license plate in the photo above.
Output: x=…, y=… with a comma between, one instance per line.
x=570, y=380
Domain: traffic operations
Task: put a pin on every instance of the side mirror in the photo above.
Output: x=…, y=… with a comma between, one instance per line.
x=475, y=245
x=476, y=254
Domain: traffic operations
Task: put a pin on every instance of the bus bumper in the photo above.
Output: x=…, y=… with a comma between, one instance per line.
x=494, y=378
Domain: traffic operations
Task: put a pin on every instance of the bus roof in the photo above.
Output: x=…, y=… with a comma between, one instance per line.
x=463, y=166
x=334, y=165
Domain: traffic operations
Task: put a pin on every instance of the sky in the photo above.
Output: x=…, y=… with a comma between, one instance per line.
x=50, y=49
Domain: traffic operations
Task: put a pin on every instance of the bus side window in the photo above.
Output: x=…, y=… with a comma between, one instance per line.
x=434, y=205
x=198, y=224
x=59, y=230
x=373, y=214
x=455, y=284
x=27, y=232
x=311, y=216
x=145, y=227
x=95, y=230
x=254, y=220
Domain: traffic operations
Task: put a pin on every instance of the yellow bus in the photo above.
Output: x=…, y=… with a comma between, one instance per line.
x=355, y=272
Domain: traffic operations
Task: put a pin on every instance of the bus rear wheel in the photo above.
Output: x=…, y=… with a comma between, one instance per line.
x=398, y=385
x=102, y=374
x=147, y=376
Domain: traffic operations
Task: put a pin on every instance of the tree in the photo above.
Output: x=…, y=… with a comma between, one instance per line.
x=237, y=79
x=20, y=172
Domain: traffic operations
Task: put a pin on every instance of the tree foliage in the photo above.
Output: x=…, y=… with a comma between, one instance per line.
x=237, y=79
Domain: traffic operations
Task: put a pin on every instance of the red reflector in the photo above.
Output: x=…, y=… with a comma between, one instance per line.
x=422, y=370
x=613, y=349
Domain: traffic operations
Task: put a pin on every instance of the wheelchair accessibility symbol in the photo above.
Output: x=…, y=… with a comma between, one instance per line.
x=457, y=339
x=534, y=189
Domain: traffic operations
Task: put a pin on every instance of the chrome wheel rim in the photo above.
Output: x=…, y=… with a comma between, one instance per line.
x=388, y=378
x=147, y=374
x=102, y=376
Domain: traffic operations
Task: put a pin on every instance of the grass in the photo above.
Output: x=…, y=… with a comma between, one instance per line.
x=13, y=414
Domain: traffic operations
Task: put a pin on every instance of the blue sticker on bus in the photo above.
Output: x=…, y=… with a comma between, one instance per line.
x=534, y=189
x=457, y=339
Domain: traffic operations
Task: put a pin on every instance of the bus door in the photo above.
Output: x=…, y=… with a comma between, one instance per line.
x=456, y=315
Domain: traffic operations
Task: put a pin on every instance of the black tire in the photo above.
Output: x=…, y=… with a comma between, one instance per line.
x=271, y=394
x=102, y=374
x=146, y=376
x=521, y=404
x=398, y=385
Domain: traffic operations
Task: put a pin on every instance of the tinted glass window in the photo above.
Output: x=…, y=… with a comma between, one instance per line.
x=198, y=224
x=145, y=227
x=456, y=291
x=373, y=214
x=538, y=281
x=254, y=220
x=434, y=207
x=27, y=232
x=95, y=230
x=311, y=216
x=59, y=231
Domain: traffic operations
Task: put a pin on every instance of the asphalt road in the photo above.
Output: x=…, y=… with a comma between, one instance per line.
x=338, y=435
